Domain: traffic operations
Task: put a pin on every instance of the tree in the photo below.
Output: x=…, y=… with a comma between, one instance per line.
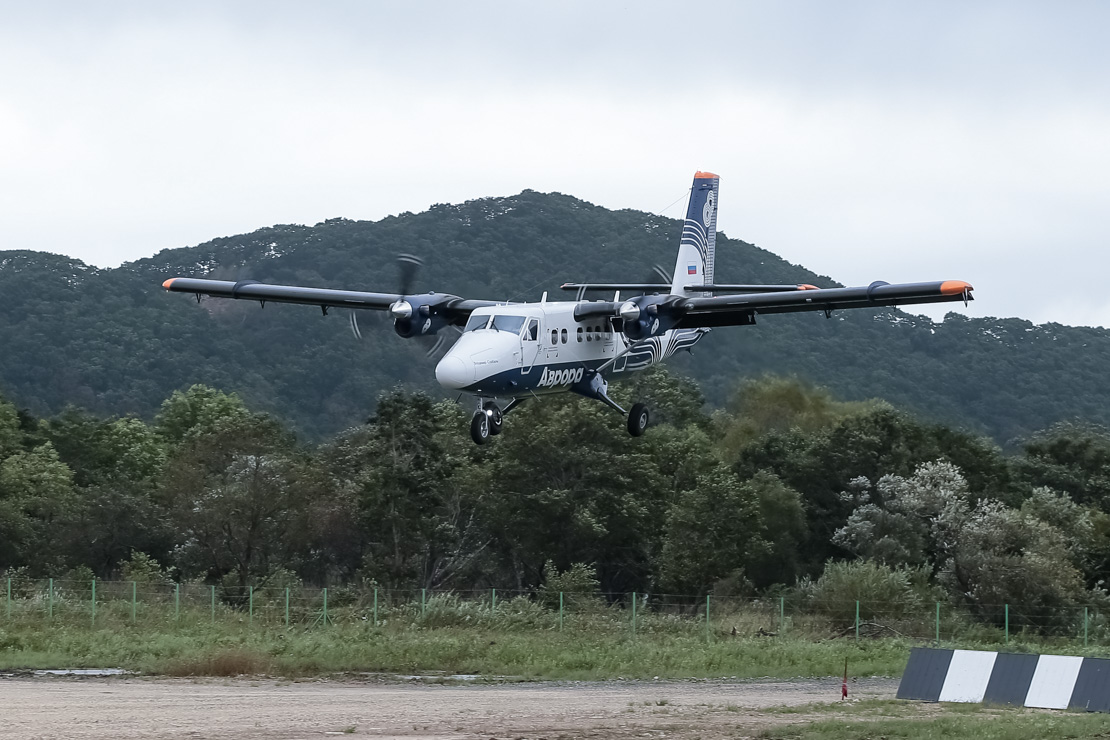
x=36, y=495
x=568, y=485
x=983, y=552
x=11, y=437
x=1073, y=458
x=771, y=404
x=239, y=493
x=198, y=409
x=116, y=465
x=712, y=532
x=416, y=491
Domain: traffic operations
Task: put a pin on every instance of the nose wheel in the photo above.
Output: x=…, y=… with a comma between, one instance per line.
x=486, y=423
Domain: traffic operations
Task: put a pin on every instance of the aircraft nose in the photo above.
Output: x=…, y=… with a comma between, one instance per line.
x=452, y=372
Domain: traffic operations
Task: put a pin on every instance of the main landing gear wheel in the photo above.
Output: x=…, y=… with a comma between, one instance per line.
x=637, y=419
x=480, y=428
x=493, y=412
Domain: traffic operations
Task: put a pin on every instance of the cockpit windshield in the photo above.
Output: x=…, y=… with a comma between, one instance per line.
x=511, y=324
x=476, y=322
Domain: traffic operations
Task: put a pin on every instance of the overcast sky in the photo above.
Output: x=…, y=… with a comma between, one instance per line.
x=865, y=140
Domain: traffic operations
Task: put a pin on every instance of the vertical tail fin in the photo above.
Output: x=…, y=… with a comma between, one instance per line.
x=698, y=248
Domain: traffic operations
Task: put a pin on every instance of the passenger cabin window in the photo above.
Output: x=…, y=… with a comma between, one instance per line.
x=554, y=336
x=476, y=322
x=589, y=334
x=564, y=333
x=580, y=334
x=511, y=324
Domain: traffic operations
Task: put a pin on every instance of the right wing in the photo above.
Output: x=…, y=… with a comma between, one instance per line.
x=454, y=309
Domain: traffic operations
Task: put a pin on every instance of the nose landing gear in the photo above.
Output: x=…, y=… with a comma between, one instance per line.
x=486, y=422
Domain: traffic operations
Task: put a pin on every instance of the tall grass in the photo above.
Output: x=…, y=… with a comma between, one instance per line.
x=168, y=629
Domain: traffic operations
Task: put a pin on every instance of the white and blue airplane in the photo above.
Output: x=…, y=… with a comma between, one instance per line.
x=510, y=352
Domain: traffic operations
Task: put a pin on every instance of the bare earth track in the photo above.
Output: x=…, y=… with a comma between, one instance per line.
x=81, y=708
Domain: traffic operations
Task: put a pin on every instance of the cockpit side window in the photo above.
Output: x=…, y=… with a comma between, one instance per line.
x=476, y=322
x=511, y=324
x=533, y=331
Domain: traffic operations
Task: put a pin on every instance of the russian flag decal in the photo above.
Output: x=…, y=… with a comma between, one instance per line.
x=691, y=269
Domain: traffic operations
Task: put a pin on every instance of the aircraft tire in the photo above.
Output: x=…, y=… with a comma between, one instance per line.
x=480, y=428
x=638, y=419
x=495, y=417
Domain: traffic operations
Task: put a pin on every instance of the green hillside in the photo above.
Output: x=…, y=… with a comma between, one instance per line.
x=113, y=342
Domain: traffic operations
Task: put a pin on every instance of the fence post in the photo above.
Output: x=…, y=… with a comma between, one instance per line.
x=213, y=587
x=707, y=617
x=1084, y=626
x=938, y=624
x=94, y=602
x=560, y=611
x=51, y=598
x=633, y=613
x=782, y=614
x=1007, y=624
x=375, y=606
x=286, y=606
x=423, y=599
x=9, y=598
x=250, y=603
x=325, y=607
x=857, y=620
x=494, y=601
x=134, y=598
x=177, y=602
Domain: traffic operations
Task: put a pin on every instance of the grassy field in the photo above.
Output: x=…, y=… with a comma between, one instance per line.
x=223, y=649
x=877, y=719
x=516, y=637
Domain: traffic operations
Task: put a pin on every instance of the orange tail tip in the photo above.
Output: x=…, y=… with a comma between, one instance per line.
x=699, y=175
x=954, y=287
x=807, y=286
x=168, y=283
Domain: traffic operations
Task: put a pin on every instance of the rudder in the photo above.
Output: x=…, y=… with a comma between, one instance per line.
x=698, y=247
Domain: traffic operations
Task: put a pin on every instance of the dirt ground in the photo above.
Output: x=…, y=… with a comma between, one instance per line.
x=81, y=708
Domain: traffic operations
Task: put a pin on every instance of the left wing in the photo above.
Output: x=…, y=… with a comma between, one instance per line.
x=740, y=309
x=644, y=316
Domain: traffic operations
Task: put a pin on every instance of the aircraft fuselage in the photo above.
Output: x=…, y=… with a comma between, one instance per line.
x=527, y=349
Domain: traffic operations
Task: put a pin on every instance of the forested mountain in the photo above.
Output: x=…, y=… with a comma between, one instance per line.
x=113, y=342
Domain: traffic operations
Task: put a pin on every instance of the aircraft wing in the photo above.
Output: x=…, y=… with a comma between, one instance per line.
x=740, y=309
x=455, y=309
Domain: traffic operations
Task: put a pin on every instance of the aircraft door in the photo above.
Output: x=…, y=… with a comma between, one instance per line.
x=529, y=345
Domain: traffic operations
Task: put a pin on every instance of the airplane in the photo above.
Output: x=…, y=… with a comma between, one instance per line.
x=510, y=352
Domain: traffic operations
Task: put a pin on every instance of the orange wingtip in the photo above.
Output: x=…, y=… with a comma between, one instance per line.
x=168, y=283
x=807, y=286
x=954, y=287
x=699, y=175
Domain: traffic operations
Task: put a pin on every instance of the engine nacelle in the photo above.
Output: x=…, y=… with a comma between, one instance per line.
x=415, y=316
x=646, y=316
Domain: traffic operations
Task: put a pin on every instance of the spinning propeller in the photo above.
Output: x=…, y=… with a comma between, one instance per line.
x=401, y=311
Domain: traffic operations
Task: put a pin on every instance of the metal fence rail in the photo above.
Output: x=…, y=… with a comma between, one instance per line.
x=161, y=604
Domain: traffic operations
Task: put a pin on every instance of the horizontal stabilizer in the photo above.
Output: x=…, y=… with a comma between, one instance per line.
x=665, y=289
